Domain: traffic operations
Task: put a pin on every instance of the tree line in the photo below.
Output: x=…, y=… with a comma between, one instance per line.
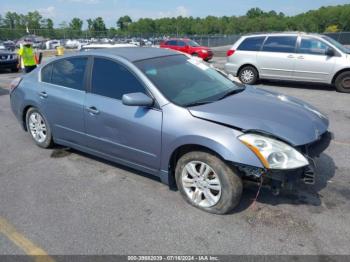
x=324, y=19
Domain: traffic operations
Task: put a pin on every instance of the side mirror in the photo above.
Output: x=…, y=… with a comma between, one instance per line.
x=137, y=99
x=330, y=52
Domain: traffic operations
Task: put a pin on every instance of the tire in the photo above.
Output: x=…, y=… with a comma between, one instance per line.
x=195, y=55
x=14, y=70
x=342, y=82
x=248, y=75
x=44, y=136
x=219, y=176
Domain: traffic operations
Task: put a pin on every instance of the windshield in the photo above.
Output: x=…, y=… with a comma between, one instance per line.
x=186, y=81
x=337, y=44
x=192, y=43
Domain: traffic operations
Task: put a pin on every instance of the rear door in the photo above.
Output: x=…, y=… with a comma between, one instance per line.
x=62, y=93
x=129, y=133
x=172, y=44
x=276, y=60
x=312, y=63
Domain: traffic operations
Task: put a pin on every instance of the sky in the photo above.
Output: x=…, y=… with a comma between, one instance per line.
x=111, y=10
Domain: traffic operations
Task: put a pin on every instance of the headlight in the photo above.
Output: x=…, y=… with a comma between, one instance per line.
x=204, y=51
x=272, y=153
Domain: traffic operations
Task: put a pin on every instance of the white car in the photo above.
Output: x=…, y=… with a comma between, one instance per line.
x=290, y=56
x=99, y=46
x=52, y=44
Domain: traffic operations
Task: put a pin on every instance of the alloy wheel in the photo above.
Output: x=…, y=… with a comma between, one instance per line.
x=201, y=184
x=37, y=127
x=247, y=76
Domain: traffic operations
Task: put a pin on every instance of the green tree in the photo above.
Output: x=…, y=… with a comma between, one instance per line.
x=75, y=27
x=123, y=22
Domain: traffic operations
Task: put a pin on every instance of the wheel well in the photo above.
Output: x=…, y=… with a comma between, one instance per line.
x=179, y=152
x=338, y=73
x=239, y=70
x=25, y=110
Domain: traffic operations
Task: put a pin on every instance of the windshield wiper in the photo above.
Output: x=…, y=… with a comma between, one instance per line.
x=198, y=103
x=231, y=92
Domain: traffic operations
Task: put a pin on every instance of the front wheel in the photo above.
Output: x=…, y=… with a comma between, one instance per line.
x=207, y=182
x=248, y=75
x=38, y=128
x=342, y=82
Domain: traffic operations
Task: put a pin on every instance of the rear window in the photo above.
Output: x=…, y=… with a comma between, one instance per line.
x=282, y=44
x=251, y=44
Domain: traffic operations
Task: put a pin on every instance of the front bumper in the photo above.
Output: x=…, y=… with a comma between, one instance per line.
x=288, y=179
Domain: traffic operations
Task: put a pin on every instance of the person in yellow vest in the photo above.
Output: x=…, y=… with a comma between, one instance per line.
x=27, y=56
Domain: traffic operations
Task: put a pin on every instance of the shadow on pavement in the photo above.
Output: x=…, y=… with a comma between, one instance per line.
x=297, y=85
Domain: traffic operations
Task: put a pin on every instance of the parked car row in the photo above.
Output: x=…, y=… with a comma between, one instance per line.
x=290, y=56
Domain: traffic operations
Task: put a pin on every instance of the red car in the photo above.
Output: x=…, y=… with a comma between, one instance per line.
x=188, y=46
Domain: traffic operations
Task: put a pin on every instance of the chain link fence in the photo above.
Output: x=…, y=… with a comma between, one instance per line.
x=41, y=35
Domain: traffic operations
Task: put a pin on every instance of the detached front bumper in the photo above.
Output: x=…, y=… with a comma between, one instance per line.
x=287, y=179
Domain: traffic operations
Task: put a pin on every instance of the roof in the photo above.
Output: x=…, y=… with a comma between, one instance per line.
x=135, y=53
x=279, y=33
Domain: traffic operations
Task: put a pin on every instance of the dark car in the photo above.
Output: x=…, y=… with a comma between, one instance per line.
x=172, y=116
x=8, y=60
x=188, y=46
x=9, y=45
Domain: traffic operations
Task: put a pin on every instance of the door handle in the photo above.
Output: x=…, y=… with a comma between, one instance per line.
x=93, y=110
x=43, y=94
x=290, y=56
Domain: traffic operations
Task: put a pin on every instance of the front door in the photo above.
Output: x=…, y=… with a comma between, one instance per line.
x=312, y=63
x=276, y=60
x=131, y=134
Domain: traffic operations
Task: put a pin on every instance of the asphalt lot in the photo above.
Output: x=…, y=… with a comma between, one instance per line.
x=66, y=202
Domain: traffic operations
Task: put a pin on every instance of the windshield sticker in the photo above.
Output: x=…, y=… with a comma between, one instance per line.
x=198, y=64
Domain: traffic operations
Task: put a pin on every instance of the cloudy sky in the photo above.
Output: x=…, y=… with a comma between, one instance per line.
x=111, y=10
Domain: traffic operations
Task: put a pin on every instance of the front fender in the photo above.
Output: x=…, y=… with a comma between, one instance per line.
x=181, y=128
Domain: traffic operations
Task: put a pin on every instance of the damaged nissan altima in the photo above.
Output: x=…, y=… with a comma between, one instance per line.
x=174, y=117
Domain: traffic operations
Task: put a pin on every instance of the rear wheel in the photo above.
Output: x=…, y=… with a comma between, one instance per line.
x=248, y=75
x=207, y=182
x=342, y=82
x=38, y=128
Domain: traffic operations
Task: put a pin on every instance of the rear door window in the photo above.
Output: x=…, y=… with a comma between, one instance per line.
x=281, y=44
x=181, y=43
x=46, y=73
x=69, y=72
x=113, y=80
x=312, y=46
x=171, y=42
x=252, y=44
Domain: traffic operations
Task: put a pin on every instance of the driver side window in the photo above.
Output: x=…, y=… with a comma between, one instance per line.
x=113, y=80
x=312, y=46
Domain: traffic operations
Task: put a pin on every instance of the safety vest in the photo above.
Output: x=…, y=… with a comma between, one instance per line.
x=28, y=56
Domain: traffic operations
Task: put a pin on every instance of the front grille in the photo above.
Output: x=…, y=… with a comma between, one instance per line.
x=5, y=57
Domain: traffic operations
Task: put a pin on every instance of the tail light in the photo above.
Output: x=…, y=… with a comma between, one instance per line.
x=14, y=84
x=230, y=52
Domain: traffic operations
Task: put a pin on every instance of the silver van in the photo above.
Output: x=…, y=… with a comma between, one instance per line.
x=290, y=56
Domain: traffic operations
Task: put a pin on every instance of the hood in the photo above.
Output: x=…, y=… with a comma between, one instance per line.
x=287, y=118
